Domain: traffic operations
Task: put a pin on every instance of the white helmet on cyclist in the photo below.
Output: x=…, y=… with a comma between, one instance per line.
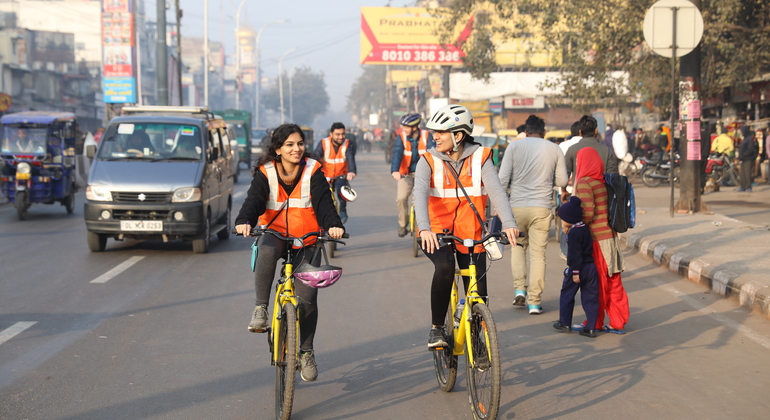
x=452, y=118
x=347, y=192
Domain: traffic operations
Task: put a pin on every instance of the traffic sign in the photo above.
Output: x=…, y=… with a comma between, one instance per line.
x=659, y=27
x=5, y=102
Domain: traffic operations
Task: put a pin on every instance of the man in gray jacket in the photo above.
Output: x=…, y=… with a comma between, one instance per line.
x=589, y=133
x=530, y=169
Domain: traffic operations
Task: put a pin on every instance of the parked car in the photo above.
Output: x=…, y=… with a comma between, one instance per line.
x=235, y=156
x=160, y=173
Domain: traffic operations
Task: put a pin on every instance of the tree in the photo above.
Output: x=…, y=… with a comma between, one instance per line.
x=309, y=96
x=368, y=95
x=597, y=38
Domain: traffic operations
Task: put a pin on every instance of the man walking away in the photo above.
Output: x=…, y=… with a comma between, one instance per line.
x=530, y=169
x=589, y=133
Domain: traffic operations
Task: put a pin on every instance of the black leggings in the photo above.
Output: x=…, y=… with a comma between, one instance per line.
x=441, y=289
x=271, y=249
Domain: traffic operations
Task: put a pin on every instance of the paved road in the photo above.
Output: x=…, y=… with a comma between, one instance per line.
x=166, y=338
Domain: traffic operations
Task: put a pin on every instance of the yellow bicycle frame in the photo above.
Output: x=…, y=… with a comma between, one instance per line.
x=284, y=293
x=412, y=225
x=462, y=334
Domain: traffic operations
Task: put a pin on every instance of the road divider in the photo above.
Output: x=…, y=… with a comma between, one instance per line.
x=15, y=330
x=125, y=265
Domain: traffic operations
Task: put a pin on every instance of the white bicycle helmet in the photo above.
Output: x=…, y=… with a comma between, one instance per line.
x=348, y=193
x=452, y=118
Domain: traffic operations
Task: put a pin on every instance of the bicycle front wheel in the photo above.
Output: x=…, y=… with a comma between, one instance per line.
x=444, y=360
x=286, y=362
x=484, y=373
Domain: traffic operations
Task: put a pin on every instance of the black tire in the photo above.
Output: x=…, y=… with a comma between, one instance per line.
x=201, y=244
x=69, y=201
x=649, y=180
x=96, y=242
x=286, y=365
x=485, y=377
x=677, y=176
x=224, y=234
x=20, y=201
x=415, y=245
x=445, y=361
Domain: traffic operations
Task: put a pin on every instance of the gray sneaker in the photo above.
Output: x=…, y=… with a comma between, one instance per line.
x=258, y=322
x=308, y=369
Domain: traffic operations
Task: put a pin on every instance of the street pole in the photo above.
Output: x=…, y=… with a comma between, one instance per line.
x=280, y=82
x=673, y=115
x=206, y=53
x=179, y=50
x=238, y=55
x=161, y=55
x=258, y=85
x=291, y=91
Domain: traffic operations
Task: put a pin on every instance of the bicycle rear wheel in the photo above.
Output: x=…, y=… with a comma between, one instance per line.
x=484, y=377
x=286, y=365
x=444, y=360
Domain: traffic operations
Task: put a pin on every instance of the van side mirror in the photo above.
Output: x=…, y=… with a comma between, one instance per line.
x=90, y=151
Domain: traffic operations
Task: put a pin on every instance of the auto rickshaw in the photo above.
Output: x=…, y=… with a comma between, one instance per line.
x=38, y=159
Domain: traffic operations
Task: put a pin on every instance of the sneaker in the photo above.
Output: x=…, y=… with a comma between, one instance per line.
x=258, y=322
x=748, y=189
x=402, y=231
x=308, y=369
x=578, y=326
x=437, y=338
x=520, y=299
x=343, y=217
x=741, y=190
x=585, y=332
x=609, y=329
x=535, y=309
x=561, y=327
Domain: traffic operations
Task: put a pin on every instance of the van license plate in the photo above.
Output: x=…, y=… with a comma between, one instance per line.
x=145, y=225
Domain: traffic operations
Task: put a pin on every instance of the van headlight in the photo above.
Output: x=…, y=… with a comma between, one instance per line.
x=98, y=193
x=186, y=195
x=23, y=168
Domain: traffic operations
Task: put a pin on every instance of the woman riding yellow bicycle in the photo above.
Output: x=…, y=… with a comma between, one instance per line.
x=288, y=193
x=453, y=182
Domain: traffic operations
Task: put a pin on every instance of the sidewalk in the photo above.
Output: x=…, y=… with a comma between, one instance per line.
x=729, y=256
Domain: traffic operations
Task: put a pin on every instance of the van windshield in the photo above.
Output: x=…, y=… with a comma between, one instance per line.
x=154, y=141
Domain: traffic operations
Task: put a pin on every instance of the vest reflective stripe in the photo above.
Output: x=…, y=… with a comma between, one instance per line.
x=406, y=159
x=447, y=206
x=298, y=213
x=335, y=162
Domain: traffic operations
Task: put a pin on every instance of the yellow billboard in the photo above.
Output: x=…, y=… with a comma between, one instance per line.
x=406, y=35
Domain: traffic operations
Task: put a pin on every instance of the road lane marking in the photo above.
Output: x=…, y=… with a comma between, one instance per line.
x=239, y=194
x=15, y=330
x=724, y=320
x=125, y=265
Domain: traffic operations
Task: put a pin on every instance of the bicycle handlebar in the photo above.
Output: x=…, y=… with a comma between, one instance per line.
x=321, y=235
x=450, y=239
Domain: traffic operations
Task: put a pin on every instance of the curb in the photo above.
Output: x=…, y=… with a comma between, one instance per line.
x=739, y=288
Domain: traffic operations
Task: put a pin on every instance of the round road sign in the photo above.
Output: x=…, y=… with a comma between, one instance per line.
x=5, y=102
x=659, y=27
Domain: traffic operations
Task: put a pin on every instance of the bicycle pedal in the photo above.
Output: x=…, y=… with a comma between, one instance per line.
x=437, y=348
x=259, y=331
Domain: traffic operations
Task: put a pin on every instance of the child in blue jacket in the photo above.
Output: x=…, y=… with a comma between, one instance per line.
x=581, y=272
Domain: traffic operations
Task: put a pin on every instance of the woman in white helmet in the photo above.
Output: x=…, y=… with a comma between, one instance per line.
x=441, y=204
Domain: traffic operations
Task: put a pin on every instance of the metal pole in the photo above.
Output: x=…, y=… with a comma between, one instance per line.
x=161, y=72
x=673, y=115
x=206, y=53
x=238, y=55
x=280, y=83
x=179, y=50
x=138, y=68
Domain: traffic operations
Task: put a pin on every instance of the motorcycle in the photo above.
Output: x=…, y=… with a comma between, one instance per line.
x=722, y=169
x=654, y=172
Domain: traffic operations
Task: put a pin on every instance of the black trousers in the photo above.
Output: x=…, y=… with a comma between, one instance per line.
x=746, y=174
x=443, y=260
x=589, y=295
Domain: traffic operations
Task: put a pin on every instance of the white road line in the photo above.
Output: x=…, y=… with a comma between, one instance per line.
x=14, y=330
x=125, y=265
x=239, y=194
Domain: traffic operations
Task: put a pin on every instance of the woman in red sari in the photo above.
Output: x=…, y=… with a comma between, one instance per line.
x=608, y=256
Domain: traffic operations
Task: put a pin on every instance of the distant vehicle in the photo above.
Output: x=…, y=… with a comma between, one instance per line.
x=494, y=142
x=557, y=136
x=38, y=155
x=241, y=121
x=235, y=157
x=160, y=173
x=257, y=134
x=309, y=139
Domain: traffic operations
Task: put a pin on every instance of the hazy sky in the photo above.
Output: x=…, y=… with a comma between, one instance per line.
x=325, y=33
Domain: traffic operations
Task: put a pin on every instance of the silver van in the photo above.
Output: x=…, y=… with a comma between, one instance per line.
x=160, y=173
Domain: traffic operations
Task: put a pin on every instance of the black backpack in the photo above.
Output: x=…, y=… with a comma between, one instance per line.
x=620, y=202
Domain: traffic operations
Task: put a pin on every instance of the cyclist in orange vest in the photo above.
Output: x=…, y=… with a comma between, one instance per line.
x=338, y=155
x=414, y=143
x=441, y=204
x=288, y=193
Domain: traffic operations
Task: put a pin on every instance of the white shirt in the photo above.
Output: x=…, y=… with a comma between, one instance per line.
x=620, y=143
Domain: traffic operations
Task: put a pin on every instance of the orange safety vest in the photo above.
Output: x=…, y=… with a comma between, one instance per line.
x=447, y=206
x=292, y=214
x=406, y=159
x=335, y=162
